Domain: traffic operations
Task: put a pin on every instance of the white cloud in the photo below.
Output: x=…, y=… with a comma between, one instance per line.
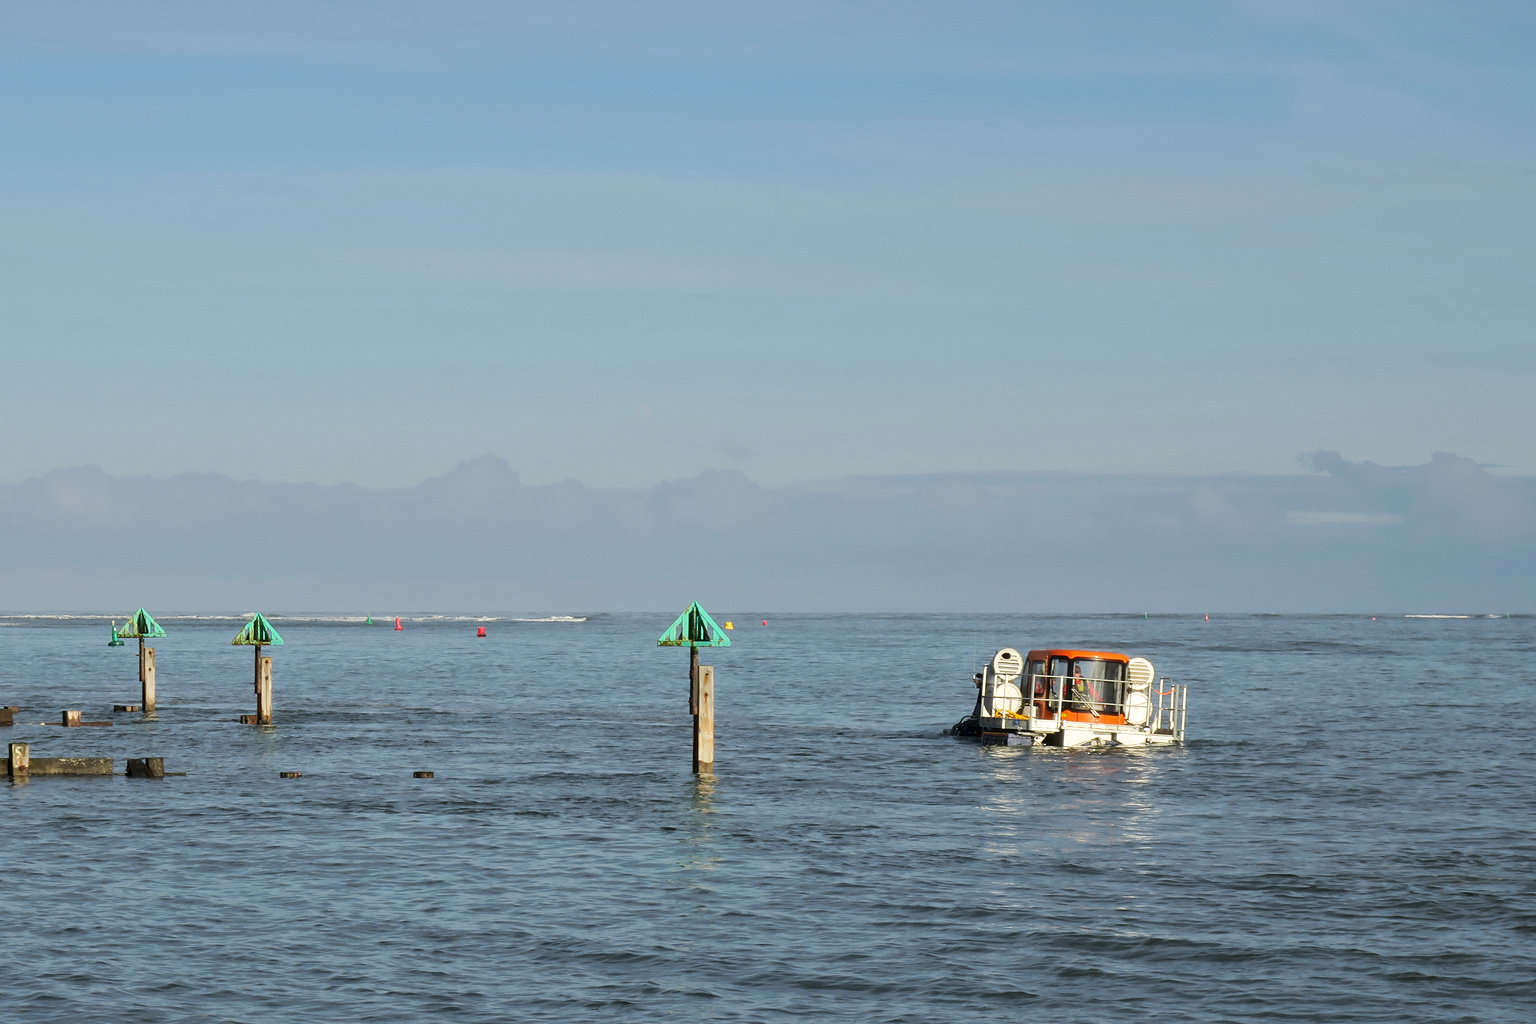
x=479, y=538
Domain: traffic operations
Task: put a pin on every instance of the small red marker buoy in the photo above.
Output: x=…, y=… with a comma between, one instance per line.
x=1207, y=618
x=397, y=623
x=480, y=631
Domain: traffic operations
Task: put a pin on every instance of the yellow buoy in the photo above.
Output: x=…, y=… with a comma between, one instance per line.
x=730, y=625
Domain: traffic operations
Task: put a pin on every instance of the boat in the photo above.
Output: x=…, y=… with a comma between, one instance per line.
x=1071, y=698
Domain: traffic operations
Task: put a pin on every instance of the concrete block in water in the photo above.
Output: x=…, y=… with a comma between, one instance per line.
x=70, y=766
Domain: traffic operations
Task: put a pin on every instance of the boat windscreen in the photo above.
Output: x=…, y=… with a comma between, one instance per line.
x=1097, y=685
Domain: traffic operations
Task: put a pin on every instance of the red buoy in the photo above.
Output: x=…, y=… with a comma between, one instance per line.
x=480, y=631
x=765, y=622
x=397, y=623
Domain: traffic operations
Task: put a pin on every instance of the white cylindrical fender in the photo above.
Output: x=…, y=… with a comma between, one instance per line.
x=1000, y=693
x=1139, y=675
x=1004, y=697
x=1138, y=706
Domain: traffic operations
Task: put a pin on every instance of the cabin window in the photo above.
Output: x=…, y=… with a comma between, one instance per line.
x=1096, y=685
x=1037, y=678
x=1061, y=670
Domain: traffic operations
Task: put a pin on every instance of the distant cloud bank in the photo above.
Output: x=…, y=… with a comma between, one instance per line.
x=1442, y=536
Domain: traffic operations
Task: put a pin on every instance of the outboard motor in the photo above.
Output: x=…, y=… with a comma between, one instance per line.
x=999, y=682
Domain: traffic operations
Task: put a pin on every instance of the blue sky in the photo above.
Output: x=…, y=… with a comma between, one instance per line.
x=626, y=243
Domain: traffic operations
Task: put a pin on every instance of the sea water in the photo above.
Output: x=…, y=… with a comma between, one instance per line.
x=1348, y=835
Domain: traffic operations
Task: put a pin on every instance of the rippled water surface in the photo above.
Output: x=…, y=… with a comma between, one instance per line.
x=1350, y=834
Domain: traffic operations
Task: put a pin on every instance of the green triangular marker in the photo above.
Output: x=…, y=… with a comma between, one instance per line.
x=369, y=622
x=694, y=628
x=141, y=624
x=257, y=632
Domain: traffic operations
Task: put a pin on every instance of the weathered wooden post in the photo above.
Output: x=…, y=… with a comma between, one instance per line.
x=20, y=760
x=146, y=768
x=147, y=682
x=704, y=723
x=142, y=625
x=264, y=693
x=70, y=719
x=696, y=629
x=259, y=632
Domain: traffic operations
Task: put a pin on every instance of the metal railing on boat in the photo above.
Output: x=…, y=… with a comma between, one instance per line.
x=1167, y=703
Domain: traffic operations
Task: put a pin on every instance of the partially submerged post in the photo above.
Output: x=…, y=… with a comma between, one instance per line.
x=694, y=628
x=146, y=768
x=704, y=722
x=264, y=692
x=20, y=760
x=259, y=632
x=142, y=625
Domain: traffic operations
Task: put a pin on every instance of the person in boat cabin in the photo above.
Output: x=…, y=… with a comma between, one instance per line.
x=1037, y=675
x=1058, y=677
x=1085, y=692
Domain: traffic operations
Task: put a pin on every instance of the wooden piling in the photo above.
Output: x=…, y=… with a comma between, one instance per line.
x=8, y=715
x=264, y=693
x=146, y=768
x=704, y=722
x=71, y=718
x=693, y=680
x=20, y=761
x=147, y=680
x=696, y=629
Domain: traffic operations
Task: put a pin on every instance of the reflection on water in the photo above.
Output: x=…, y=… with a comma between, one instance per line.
x=699, y=832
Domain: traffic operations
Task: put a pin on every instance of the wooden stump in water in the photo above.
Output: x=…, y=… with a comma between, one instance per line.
x=146, y=767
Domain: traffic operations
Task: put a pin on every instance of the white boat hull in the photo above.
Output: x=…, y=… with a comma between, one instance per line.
x=1056, y=733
